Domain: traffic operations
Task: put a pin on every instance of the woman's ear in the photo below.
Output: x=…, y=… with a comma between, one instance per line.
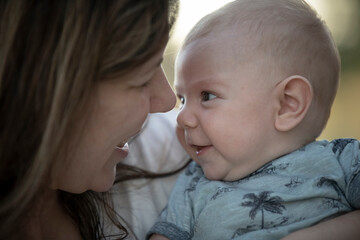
x=294, y=96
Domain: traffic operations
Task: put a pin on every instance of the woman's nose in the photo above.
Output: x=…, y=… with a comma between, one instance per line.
x=186, y=118
x=163, y=98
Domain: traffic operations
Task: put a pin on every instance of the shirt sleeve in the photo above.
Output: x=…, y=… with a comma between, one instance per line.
x=348, y=153
x=177, y=219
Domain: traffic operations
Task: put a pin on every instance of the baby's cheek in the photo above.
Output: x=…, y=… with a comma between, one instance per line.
x=181, y=136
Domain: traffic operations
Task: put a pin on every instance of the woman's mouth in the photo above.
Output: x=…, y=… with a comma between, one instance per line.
x=122, y=149
x=122, y=144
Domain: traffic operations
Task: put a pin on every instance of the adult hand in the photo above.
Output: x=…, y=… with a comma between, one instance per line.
x=346, y=226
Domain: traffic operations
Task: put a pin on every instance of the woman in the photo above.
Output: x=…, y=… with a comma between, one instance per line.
x=77, y=80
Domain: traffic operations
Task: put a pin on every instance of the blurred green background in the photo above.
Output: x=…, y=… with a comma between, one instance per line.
x=343, y=19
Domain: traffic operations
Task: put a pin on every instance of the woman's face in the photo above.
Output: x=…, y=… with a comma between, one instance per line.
x=120, y=107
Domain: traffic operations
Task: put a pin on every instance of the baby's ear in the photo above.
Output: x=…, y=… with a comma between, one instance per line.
x=294, y=96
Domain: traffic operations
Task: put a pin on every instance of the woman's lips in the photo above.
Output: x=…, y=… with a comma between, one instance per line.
x=122, y=149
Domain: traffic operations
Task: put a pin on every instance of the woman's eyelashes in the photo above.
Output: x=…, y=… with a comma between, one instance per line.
x=146, y=83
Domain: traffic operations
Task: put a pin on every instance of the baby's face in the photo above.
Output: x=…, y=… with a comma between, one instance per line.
x=226, y=116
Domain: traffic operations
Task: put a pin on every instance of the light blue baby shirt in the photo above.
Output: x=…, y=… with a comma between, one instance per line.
x=295, y=191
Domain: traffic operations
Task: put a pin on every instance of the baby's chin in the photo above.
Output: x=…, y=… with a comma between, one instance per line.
x=214, y=175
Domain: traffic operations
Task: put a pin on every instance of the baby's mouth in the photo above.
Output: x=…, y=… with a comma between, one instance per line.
x=200, y=149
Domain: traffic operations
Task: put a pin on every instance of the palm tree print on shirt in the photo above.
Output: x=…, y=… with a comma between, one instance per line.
x=220, y=191
x=263, y=202
x=340, y=144
x=330, y=202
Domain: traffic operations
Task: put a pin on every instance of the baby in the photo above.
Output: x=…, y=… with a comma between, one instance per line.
x=256, y=80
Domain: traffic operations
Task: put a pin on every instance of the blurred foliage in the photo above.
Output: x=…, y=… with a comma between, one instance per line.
x=345, y=116
x=350, y=55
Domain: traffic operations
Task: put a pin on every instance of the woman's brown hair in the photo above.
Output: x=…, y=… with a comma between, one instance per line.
x=52, y=53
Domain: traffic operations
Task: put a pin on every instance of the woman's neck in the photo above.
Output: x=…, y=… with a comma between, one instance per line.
x=49, y=221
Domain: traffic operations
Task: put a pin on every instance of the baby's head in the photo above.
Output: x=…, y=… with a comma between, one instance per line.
x=257, y=79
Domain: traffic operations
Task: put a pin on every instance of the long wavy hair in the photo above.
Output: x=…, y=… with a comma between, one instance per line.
x=51, y=55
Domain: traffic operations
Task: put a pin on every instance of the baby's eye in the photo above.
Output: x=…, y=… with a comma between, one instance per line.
x=206, y=96
x=182, y=99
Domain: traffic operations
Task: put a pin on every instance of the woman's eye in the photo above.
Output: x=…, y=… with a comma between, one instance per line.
x=206, y=96
x=145, y=84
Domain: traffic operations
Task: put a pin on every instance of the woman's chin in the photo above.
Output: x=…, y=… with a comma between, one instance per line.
x=105, y=182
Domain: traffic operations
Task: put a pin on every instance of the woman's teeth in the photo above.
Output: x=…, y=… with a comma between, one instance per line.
x=122, y=144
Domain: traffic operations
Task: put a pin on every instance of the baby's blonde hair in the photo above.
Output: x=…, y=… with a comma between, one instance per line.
x=292, y=39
